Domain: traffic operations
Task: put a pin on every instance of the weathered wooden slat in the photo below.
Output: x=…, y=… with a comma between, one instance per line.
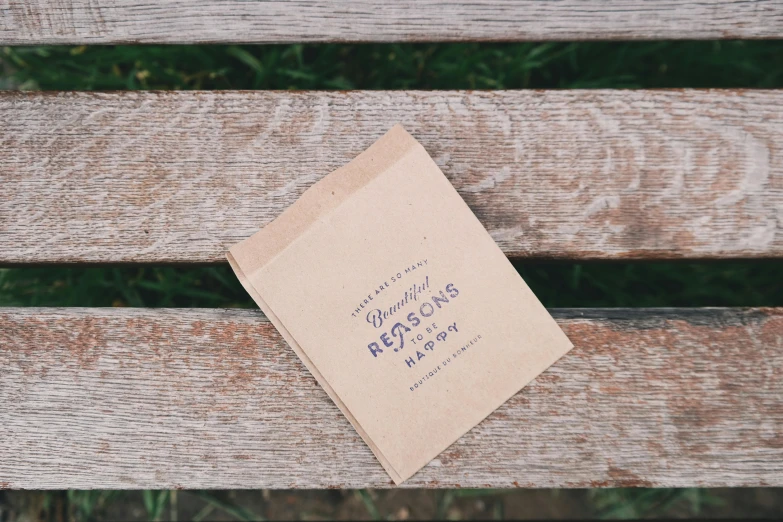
x=178, y=177
x=143, y=398
x=173, y=21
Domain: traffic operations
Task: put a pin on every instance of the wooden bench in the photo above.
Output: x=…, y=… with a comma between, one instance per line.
x=200, y=398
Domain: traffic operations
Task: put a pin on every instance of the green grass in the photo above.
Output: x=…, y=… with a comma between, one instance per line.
x=419, y=66
x=758, y=283
x=408, y=66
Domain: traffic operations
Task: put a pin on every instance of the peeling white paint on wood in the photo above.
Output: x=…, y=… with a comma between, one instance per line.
x=180, y=176
x=199, y=398
x=25, y=22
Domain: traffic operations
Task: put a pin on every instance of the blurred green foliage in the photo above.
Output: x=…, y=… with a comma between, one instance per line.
x=724, y=283
x=757, y=64
x=398, y=66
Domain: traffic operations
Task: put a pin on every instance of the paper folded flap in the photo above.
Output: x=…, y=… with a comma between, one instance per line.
x=325, y=195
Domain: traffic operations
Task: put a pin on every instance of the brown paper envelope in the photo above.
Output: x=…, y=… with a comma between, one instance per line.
x=399, y=302
x=306, y=360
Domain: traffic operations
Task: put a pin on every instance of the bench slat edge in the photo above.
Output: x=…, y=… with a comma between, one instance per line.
x=198, y=398
x=207, y=21
x=179, y=177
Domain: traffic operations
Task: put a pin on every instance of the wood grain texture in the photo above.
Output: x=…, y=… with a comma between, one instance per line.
x=142, y=398
x=178, y=177
x=25, y=22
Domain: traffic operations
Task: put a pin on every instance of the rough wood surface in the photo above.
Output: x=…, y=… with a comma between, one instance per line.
x=175, y=21
x=141, y=398
x=164, y=177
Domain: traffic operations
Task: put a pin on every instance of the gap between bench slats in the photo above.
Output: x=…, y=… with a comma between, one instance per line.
x=178, y=177
x=174, y=21
x=156, y=398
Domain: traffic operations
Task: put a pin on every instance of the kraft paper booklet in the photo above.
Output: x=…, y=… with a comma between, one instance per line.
x=399, y=302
